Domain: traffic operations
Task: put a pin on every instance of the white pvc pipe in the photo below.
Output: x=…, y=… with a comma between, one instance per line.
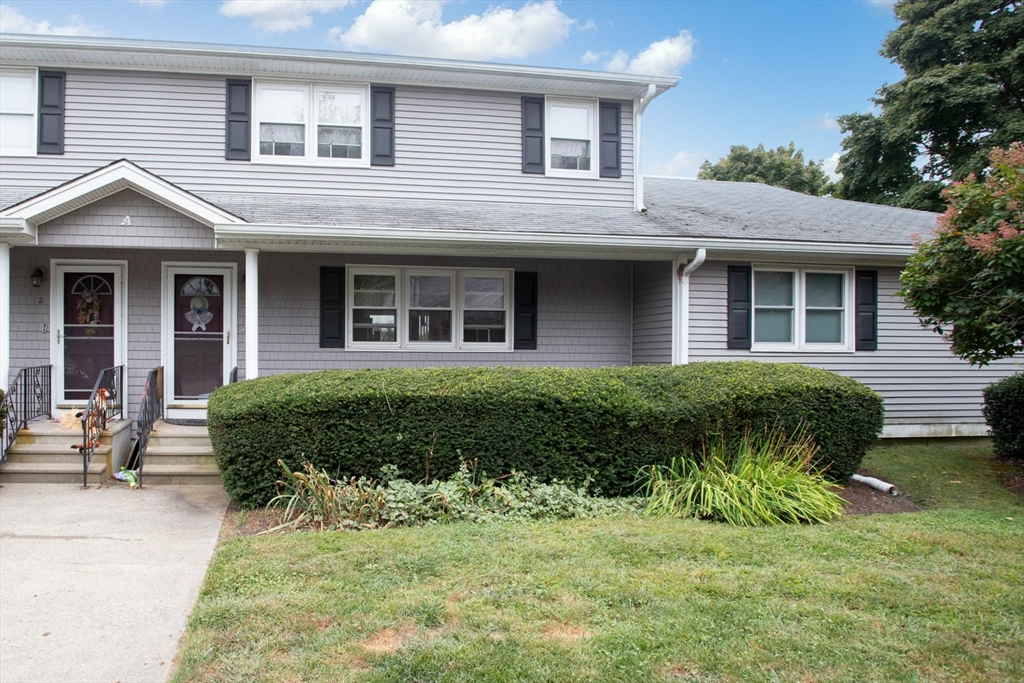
x=878, y=484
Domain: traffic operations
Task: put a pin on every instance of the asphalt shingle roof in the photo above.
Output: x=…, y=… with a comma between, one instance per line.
x=676, y=208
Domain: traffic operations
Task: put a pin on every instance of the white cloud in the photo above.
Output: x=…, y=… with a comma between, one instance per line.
x=589, y=57
x=155, y=4
x=684, y=164
x=416, y=28
x=278, y=16
x=664, y=57
x=826, y=122
x=13, y=21
x=829, y=167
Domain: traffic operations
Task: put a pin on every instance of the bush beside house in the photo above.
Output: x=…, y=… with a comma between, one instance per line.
x=1004, y=414
x=552, y=423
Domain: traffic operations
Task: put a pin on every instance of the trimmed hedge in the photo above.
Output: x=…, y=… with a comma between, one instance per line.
x=1004, y=414
x=548, y=422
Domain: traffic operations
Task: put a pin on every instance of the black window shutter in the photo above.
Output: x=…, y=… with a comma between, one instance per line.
x=867, y=310
x=739, y=307
x=51, y=112
x=611, y=139
x=526, y=310
x=238, y=119
x=332, y=307
x=533, y=134
x=382, y=126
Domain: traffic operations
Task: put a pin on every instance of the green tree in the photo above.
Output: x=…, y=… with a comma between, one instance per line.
x=782, y=167
x=962, y=95
x=968, y=282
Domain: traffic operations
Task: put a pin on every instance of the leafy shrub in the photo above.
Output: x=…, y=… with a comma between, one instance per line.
x=312, y=499
x=550, y=423
x=1004, y=414
x=765, y=479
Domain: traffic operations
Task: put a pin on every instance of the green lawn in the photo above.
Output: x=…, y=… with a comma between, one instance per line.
x=930, y=596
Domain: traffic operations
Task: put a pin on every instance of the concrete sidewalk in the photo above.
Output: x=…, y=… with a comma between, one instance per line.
x=97, y=584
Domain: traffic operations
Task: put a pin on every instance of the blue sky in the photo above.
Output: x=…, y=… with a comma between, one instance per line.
x=751, y=71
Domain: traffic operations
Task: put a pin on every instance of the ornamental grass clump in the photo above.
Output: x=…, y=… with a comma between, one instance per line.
x=758, y=480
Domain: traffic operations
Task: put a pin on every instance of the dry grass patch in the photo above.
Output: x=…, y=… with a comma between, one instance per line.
x=566, y=634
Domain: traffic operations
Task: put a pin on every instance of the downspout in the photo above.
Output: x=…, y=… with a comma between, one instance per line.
x=681, y=338
x=639, y=105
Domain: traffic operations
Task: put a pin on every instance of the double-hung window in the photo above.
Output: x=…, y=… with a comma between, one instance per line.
x=802, y=309
x=312, y=123
x=18, y=108
x=570, y=130
x=428, y=308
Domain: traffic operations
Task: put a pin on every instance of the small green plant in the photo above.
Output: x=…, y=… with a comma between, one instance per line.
x=762, y=479
x=312, y=499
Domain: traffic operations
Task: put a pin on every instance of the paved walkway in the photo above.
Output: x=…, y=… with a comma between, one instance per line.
x=97, y=585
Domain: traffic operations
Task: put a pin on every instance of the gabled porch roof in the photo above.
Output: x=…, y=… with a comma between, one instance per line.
x=19, y=223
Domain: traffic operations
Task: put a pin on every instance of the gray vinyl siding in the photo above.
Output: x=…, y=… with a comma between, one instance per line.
x=919, y=379
x=652, y=312
x=451, y=145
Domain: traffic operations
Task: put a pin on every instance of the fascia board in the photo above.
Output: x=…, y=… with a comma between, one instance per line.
x=271, y=233
x=247, y=60
x=110, y=180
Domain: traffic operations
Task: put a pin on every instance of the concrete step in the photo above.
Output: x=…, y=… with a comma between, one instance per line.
x=155, y=475
x=53, y=453
x=175, y=436
x=49, y=432
x=52, y=473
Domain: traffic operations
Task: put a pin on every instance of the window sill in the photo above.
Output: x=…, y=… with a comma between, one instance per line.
x=356, y=346
x=805, y=350
x=564, y=173
x=310, y=163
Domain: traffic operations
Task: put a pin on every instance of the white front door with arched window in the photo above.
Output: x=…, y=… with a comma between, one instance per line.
x=87, y=322
x=199, y=339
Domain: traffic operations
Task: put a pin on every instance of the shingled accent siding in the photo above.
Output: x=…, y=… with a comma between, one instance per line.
x=583, y=315
x=913, y=370
x=450, y=145
x=126, y=219
x=652, y=312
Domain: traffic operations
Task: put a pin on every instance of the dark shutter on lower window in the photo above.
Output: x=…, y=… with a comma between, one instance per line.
x=526, y=310
x=739, y=307
x=867, y=310
x=611, y=139
x=332, y=307
x=51, y=112
x=238, y=119
x=533, y=134
x=382, y=126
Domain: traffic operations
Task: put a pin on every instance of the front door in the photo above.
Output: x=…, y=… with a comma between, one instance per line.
x=87, y=324
x=199, y=314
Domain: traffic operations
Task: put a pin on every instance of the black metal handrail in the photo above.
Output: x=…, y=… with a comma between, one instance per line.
x=151, y=410
x=27, y=398
x=104, y=403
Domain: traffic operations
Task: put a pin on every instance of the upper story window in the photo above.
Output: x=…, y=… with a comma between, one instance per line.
x=18, y=110
x=802, y=309
x=312, y=123
x=571, y=127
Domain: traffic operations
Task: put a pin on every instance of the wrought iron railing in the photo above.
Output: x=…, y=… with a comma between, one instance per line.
x=233, y=377
x=27, y=398
x=104, y=404
x=151, y=410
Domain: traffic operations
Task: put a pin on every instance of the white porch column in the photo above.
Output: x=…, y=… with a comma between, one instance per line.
x=252, y=314
x=5, y=314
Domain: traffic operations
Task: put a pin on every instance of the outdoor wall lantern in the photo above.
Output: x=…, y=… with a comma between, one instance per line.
x=37, y=277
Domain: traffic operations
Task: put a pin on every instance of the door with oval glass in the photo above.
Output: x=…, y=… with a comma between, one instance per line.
x=199, y=315
x=87, y=320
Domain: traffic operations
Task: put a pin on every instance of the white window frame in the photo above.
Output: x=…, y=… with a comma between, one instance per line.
x=32, y=110
x=800, y=310
x=591, y=107
x=402, y=302
x=310, y=89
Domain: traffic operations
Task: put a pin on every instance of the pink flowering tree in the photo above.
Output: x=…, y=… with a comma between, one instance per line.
x=967, y=283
